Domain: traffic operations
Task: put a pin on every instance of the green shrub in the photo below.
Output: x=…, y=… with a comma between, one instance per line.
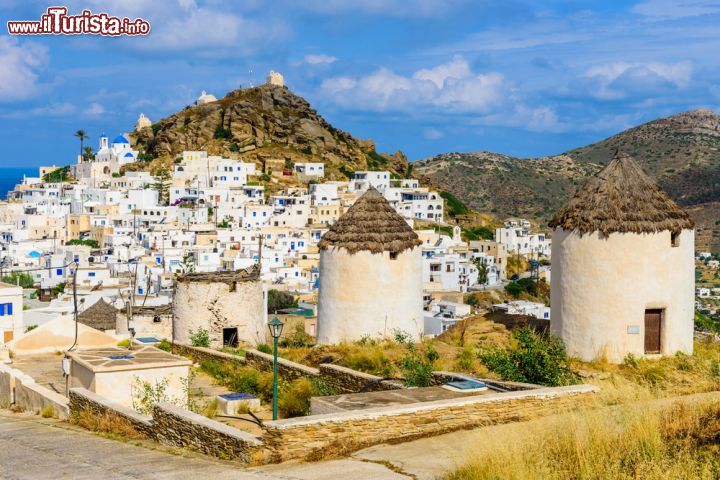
x=464, y=362
x=25, y=280
x=514, y=289
x=264, y=348
x=298, y=338
x=537, y=358
x=294, y=401
x=164, y=345
x=200, y=338
x=417, y=366
x=87, y=242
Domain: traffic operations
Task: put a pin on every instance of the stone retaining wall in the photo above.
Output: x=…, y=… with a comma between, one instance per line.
x=313, y=437
x=82, y=399
x=347, y=380
x=181, y=428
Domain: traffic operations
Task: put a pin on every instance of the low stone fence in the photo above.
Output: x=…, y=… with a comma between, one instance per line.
x=181, y=428
x=82, y=399
x=347, y=380
x=286, y=369
x=441, y=378
x=20, y=390
x=200, y=354
x=316, y=436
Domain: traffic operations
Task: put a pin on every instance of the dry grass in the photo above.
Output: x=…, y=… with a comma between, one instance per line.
x=107, y=424
x=457, y=348
x=639, y=379
x=680, y=441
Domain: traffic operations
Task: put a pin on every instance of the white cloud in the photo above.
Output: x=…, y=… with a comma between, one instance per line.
x=61, y=109
x=319, y=59
x=452, y=87
x=396, y=8
x=672, y=9
x=21, y=66
x=185, y=27
x=614, y=80
x=433, y=133
x=94, y=109
x=456, y=68
x=677, y=73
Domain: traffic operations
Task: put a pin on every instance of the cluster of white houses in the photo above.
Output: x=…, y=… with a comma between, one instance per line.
x=125, y=242
x=205, y=255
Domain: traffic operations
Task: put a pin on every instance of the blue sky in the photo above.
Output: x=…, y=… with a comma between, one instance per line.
x=422, y=76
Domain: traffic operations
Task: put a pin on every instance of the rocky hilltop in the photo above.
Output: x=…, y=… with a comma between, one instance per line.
x=269, y=125
x=682, y=152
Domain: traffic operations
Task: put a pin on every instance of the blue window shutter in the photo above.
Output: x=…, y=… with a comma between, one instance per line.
x=9, y=305
x=59, y=271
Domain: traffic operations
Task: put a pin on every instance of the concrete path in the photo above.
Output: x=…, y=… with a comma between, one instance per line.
x=31, y=448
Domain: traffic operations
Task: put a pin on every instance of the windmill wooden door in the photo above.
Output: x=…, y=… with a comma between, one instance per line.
x=653, y=323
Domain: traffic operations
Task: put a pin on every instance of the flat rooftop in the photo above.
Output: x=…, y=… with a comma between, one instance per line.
x=119, y=359
x=366, y=400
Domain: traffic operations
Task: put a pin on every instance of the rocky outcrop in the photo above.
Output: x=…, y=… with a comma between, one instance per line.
x=268, y=125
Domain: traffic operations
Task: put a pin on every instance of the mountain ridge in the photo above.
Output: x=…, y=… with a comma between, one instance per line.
x=681, y=152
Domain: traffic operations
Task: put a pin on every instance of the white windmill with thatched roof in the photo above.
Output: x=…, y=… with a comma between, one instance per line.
x=370, y=274
x=622, y=268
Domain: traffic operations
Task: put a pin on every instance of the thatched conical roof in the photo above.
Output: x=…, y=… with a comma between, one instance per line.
x=249, y=274
x=100, y=316
x=371, y=224
x=621, y=198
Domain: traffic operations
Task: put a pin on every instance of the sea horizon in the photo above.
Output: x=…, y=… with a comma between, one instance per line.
x=11, y=176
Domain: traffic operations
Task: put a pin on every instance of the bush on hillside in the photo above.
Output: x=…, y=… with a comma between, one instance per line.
x=537, y=358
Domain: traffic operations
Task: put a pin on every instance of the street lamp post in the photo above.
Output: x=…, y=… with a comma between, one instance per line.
x=275, y=326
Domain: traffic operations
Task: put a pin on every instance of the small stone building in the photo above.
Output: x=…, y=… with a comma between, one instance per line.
x=622, y=268
x=231, y=306
x=370, y=274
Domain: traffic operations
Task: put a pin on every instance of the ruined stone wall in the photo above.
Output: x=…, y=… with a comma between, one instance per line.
x=313, y=437
x=216, y=305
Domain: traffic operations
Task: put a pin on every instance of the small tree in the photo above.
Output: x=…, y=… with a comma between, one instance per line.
x=82, y=135
x=278, y=300
x=482, y=271
x=162, y=185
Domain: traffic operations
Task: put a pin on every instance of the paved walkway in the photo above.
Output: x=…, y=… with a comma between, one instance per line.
x=31, y=448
